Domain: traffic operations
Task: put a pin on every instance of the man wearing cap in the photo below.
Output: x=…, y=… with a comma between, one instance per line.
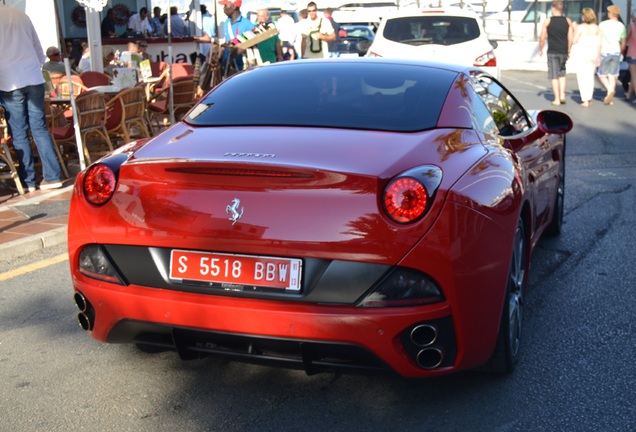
x=235, y=25
x=613, y=35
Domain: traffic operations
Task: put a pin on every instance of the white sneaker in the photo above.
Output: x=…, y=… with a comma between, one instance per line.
x=44, y=185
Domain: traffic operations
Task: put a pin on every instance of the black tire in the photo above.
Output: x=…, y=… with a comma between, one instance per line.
x=507, y=350
x=556, y=224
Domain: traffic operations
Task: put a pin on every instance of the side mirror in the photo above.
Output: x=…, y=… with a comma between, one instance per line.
x=554, y=122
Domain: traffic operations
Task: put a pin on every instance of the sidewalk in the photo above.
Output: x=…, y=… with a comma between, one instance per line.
x=33, y=221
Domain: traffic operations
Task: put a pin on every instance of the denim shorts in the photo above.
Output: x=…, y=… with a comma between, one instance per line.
x=610, y=65
x=556, y=65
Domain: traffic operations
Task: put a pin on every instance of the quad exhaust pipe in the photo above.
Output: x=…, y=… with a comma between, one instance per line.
x=86, y=316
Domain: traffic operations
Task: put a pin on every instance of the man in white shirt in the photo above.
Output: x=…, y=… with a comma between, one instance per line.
x=285, y=26
x=22, y=96
x=139, y=23
x=316, y=33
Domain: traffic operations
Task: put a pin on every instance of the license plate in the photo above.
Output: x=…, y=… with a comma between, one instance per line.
x=231, y=270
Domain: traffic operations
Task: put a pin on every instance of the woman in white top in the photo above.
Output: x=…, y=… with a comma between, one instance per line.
x=588, y=38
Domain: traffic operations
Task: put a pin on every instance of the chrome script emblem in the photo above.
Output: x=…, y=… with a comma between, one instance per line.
x=233, y=210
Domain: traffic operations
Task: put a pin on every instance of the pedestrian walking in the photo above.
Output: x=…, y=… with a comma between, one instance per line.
x=558, y=32
x=587, y=37
x=630, y=56
x=22, y=96
x=613, y=35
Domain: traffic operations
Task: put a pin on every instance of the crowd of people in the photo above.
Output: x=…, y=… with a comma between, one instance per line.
x=600, y=47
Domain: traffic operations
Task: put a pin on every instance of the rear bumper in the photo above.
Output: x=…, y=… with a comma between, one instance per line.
x=310, y=337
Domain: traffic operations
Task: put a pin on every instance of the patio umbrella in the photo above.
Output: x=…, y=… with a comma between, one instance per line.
x=93, y=5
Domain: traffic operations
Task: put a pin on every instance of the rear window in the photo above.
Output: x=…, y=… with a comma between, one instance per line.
x=356, y=32
x=353, y=95
x=423, y=30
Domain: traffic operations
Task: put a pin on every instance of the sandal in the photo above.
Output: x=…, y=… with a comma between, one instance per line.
x=608, y=98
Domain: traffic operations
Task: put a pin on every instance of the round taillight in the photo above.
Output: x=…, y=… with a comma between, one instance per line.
x=405, y=199
x=99, y=184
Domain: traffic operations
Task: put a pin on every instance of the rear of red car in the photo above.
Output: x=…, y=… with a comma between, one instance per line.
x=308, y=247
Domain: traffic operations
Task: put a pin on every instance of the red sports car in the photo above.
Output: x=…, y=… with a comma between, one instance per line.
x=365, y=213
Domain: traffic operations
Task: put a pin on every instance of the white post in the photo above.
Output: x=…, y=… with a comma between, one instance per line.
x=93, y=30
x=171, y=98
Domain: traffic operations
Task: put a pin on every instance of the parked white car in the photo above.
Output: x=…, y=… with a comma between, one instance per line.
x=522, y=24
x=448, y=34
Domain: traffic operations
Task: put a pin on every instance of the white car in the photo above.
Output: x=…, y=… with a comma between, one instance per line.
x=448, y=34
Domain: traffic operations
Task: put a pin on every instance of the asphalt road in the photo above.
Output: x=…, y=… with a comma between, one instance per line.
x=577, y=371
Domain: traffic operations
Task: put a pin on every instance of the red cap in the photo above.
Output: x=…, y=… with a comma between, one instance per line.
x=237, y=3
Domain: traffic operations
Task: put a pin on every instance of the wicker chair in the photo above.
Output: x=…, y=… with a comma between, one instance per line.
x=132, y=114
x=63, y=87
x=50, y=121
x=91, y=114
x=8, y=171
x=183, y=99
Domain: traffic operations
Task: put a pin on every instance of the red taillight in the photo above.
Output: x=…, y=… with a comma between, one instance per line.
x=488, y=59
x=99, y=184
x=405, y=199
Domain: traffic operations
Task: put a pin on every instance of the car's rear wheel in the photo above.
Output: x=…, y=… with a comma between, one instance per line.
x=554, y=229
x=508, y=345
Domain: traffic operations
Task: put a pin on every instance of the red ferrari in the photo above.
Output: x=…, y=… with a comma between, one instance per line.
x=347, y=214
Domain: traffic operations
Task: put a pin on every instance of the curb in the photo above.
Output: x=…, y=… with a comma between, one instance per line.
x=19, y=248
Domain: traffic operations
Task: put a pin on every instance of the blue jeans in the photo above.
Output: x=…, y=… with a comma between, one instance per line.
x=24, y=110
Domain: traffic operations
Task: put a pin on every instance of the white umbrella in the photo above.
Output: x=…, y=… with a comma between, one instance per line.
x=92, y=8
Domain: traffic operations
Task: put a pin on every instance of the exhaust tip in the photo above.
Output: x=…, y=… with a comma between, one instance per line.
x=80, y=301
x=85, y=321
x=424, y=335
x=430, y=358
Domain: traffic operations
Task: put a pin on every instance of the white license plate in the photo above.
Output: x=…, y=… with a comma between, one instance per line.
x=270, y=272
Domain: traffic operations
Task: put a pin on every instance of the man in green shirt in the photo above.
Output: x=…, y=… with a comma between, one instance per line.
x=270, y=49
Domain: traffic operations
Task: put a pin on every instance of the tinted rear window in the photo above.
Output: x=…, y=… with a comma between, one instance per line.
x=440, y=30
x=354, y=95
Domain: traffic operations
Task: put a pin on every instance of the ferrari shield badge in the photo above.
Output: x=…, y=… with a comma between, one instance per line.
x=233, y=210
